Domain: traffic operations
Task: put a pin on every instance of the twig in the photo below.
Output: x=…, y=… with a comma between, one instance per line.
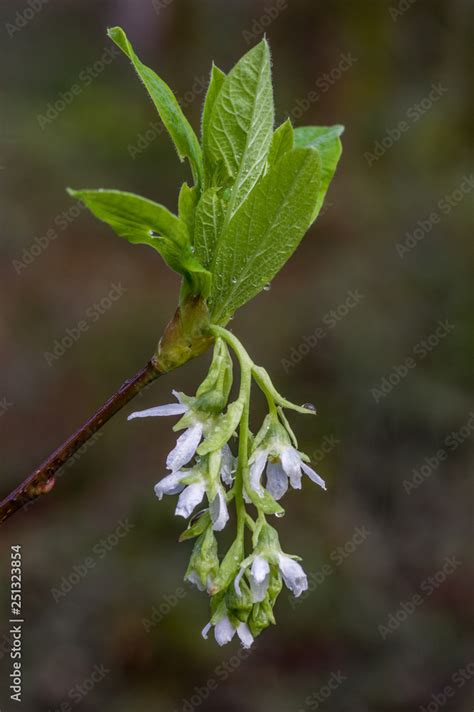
x=41, y=481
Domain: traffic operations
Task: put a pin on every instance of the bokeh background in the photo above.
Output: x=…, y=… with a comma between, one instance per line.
x=385, y=275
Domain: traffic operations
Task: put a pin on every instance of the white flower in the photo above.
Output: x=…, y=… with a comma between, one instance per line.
x=178, y=408
x=194, y=578
x=187, y=443
x=189, y=495
x=259, y=575
x=292, y=464
x=185, y=448
x=224, y=631
x=227, y=466
x=259, y=578
x=189, y=498
x=277, y=480
x=293, y=575
x=246, y=637
x=218, y=511
x=171, y=484
x=284, y=463
x=258, y=462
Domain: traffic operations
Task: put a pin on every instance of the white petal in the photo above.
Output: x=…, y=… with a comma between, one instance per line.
x=313, y=475
x=246, y=637
x=186, y=446
x=291, y=462
x=259, y=578
x=293, y=575
x=170, y=409
x=171, y=484
x=227, y=464
x=189, y=499
x=259, y=590
x=256, y=469
x=194, y=578
x=224, y=631
x=237, y=580
x=218, y=511
x=277, y=480
x=260, y=568
x=205, y=630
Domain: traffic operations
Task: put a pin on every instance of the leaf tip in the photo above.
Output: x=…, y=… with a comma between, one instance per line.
x=117, y=35
x=265, y=44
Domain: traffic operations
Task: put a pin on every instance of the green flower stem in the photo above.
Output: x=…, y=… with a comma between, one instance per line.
x=250, y=523
x=244, y=394
x=242, y=466
x=261, y=384
x=246, y=365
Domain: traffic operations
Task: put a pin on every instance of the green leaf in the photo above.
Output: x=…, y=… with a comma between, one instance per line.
x=134, y=217
x=241, y=124
x=187, y=203
x=204, y=560
x=265, y=231
x=197, y=527
x=179, y=128
x=215, y=86
x=220, y=375
x=197, y=279
x=326, y=140
x=230, y=566
x=263, y=379
x=209, y=220
x=265, y=502
x=141, y=221
x=223, y=430
x=282, y=141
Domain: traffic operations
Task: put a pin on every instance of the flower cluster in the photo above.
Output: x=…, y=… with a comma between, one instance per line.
x=243, y=589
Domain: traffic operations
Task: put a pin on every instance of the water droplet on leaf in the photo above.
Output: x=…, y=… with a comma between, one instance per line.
x=309, y=406
x=280, y=514
x=152, y=233
x=234, y=280
x=267, y=287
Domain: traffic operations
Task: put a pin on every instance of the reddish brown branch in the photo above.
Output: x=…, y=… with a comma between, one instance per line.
x=42, y=480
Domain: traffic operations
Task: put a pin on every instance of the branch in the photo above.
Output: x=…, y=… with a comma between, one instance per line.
x=186, y=336
x=41, y=481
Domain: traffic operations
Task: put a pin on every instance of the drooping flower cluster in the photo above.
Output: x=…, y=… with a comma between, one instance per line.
x=243, y=589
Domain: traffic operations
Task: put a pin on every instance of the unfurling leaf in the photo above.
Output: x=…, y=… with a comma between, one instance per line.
x=326, y=140
x=208, y=225
x=187, y=203
x=256, y=192
x=265, y=231
x=241, y=124
x=215, y=85
x=282, y=141
x=141, y=221
x=179, y=128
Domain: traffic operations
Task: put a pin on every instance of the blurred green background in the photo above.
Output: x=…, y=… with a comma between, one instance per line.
x=352, y=324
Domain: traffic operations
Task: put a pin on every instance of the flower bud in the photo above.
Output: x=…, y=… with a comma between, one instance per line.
x=239, y=606
x=204, y=562
x=261, y=617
